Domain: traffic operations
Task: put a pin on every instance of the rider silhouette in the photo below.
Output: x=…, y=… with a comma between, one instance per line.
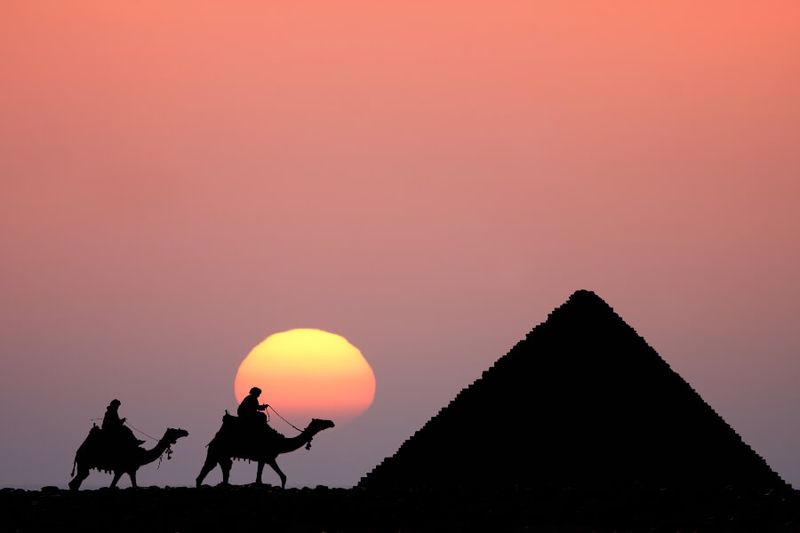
x=250, y=410
x=115, y=426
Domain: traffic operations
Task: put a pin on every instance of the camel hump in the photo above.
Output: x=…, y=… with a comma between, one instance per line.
x=93, y=440
x=105, y=444
x=229, y=419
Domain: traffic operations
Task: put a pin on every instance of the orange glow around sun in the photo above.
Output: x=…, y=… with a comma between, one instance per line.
x=308, y=373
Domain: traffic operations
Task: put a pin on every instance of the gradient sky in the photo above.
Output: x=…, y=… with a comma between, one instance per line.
x=428, y=179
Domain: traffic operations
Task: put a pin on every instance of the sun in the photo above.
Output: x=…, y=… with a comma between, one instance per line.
x=308, y=373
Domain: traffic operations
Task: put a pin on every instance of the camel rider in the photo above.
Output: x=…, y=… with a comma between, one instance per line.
x=250, y=410
x=115, y=426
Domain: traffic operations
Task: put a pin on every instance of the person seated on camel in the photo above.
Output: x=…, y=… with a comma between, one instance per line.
x=115, y=426
x=250, y=411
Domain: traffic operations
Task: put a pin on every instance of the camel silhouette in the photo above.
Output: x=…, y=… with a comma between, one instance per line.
x=235, y=441
x=96, y=452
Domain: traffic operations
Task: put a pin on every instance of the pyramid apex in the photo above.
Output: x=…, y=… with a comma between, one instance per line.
x=583, y=301
x=586, y=295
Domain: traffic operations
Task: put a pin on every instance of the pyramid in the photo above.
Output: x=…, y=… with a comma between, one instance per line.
x=582, y=402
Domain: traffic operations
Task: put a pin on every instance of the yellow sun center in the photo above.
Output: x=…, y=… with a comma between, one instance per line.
x=308, y=373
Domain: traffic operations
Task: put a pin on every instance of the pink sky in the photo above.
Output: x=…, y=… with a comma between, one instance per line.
x=182, y=179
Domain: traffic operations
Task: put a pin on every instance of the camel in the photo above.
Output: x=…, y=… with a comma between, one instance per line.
x=96, y=453
x=235, y=441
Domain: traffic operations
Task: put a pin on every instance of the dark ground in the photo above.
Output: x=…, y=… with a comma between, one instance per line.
x=339, y=510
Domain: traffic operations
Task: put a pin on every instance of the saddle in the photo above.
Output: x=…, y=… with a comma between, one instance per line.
x=250, y=430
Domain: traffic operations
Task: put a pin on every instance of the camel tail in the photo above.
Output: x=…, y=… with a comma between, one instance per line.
x=73, y=466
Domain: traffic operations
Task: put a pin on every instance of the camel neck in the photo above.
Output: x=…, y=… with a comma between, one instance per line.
x=154, y=453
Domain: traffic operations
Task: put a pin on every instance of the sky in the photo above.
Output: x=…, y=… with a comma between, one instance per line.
x=181, y=179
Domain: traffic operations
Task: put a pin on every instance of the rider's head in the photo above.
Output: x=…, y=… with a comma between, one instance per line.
x=114, y=403
x=255, y=391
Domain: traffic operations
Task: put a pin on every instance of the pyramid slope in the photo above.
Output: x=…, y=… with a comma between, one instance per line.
x=582, y=401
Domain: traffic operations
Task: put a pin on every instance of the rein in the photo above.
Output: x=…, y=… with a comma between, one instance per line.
x=279, y=416
x=308, y=444
x=167, y=450
x=130, y=426
x=140, y=431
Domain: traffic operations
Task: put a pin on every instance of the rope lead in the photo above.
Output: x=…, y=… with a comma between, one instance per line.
x=279, y=416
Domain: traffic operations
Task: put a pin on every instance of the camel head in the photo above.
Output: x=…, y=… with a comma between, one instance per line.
x=172, y=435
x=318, y=424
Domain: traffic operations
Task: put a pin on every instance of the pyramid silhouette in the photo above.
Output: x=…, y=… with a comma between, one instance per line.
x=582, y=402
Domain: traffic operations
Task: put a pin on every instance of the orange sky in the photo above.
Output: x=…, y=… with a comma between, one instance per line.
x=182, y=179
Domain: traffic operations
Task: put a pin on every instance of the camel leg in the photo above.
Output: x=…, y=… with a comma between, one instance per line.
x=274, y=466
x=132, y=475
x=225, y=464
x=208, y=466
x=259, y=472
x=82, y=474
x=117, y=475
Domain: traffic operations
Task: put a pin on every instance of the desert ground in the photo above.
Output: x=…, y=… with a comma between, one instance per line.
x=268, y=508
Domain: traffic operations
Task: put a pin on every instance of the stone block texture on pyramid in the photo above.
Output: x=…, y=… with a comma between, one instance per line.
x=583, y=401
